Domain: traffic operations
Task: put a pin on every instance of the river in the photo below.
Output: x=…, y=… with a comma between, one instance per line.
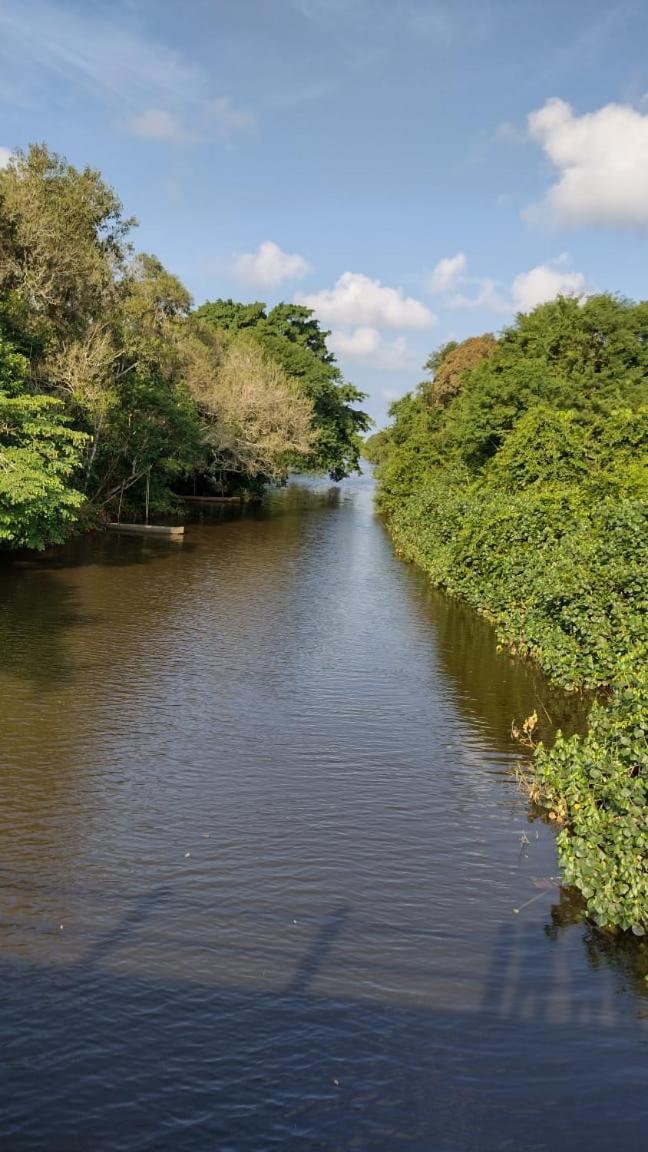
x=268, y=881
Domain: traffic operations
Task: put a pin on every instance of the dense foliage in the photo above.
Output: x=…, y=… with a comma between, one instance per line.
x=39, y=454
x=522, y=487
x=290, y=335
x=110, y=385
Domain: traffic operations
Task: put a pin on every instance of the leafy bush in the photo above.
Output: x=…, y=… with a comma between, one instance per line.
x=527, y=496
x=596, y=786
x=39, y=454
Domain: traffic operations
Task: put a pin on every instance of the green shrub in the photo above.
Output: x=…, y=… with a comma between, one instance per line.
x=39, y=455
x=597, y=787
x=527, y=496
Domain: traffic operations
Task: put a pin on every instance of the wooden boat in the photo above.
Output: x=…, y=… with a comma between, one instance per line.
x=175, y=531
x=211, y=499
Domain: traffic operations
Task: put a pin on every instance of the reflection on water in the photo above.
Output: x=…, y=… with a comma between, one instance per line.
x=261, y=851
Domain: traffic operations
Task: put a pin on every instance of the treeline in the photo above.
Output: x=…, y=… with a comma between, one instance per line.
x=113, y=386
x=516, y=476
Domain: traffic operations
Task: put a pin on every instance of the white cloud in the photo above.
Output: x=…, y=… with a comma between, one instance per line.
x=528, y=289
x=156, y=124
x=447, y=273
x=5, y=156
x=602, y=161
x=545, y=282
x=368, y=346
x=269, y=266
x=357, y=300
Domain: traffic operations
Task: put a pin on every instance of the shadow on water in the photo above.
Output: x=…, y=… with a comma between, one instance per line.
x=491, y=685
x=625, y=955
x=40, y=605
x=292, y=500
x=312, y=961
x=96, y=548
x=35, y=618
x=202, y=1059
x=37, y=610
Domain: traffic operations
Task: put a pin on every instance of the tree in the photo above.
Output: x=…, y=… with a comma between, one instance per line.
x=120, y=387
x=591, y=357
x=290, y=335
x=144, y=423
x=255, y=418
x=39, y=454
x=544, y=447
x=63, y=245
x=452, y=364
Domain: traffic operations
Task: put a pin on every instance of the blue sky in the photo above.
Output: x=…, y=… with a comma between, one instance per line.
x=414, y=170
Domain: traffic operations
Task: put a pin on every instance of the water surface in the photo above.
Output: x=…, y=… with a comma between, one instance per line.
x=261, y=851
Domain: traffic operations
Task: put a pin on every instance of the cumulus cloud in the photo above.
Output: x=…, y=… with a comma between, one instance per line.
x=447, y=273
x=5, y=156
x=156, y=124
x=269, y=266
x=602, y=163
x=357, y=300
x=545, y=282
x=367, y=345
x=528, y=289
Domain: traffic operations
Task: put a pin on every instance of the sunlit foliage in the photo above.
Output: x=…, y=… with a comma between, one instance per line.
x=524, y=491
x=123, y=390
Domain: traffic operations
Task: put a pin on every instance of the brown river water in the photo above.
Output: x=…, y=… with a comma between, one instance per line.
x=261, y=847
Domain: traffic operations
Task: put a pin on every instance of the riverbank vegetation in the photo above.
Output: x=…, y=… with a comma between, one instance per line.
x=516, y=475
x=113, y=385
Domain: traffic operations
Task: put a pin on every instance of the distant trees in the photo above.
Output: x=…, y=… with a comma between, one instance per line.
x=254, y=416
x=290, y=335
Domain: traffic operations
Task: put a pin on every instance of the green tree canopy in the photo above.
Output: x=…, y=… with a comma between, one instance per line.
x=39, y=455
x=63, y=246
x=591, y=356
x=290, y=335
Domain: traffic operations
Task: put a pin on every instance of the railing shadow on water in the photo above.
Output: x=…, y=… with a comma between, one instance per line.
x=177, y=1030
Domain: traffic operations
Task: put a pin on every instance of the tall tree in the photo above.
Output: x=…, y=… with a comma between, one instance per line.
x=255, y=418
x=291, y=335
x=39, y=455
x=63, y=245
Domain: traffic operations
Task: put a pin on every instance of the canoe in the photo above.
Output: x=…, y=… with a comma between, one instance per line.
x=211, y=499
x=147, y=529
